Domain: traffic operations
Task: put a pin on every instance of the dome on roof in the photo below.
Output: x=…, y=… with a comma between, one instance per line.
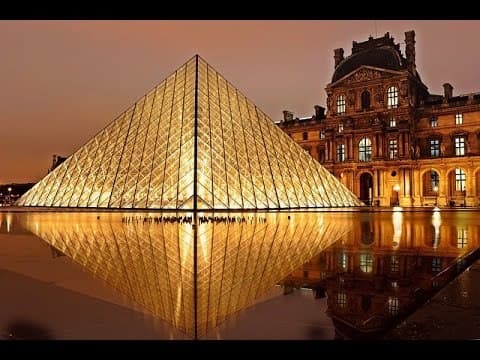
x=384, y=57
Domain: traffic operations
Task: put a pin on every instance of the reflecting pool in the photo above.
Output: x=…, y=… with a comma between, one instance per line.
x=223, y=275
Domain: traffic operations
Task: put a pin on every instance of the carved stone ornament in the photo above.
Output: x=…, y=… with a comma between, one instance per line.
x=379, y=94
x=363, y=75
x=404, y=89
x=351, y=98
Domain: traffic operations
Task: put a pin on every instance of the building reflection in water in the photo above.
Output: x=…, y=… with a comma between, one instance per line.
x=239, y=257
x=386, y=268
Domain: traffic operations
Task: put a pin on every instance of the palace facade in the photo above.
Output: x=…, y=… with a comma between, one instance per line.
x=386, y=137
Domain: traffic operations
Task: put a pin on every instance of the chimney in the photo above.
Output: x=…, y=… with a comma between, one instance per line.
x=319, y=112
x=287, y=115
x=447, y=91
x=410, y=50
x=338, y=56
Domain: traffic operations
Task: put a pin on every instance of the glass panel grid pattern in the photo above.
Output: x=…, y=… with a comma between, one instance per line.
x=147, y=158
x=152, y=262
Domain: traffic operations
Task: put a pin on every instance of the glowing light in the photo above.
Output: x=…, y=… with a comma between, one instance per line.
x=436, y=222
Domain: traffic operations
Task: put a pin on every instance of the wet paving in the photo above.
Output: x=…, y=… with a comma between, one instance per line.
x=330, y=275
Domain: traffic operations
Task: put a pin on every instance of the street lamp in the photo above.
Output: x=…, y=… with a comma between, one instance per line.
x=9, y=196
x=396, y=188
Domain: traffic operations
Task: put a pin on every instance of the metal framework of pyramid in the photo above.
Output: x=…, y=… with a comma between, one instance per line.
x=193, y=142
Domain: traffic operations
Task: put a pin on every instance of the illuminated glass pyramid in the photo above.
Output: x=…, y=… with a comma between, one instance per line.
x=193, y=142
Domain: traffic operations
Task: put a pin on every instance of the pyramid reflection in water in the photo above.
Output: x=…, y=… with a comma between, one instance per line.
x=193, y=142
x=153, y=262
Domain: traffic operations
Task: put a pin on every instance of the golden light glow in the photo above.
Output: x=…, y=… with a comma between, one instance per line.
x=152, y=263
x=146, y=158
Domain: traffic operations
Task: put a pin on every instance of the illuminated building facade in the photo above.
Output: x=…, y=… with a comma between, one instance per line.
x=386, y=137
x=193, y=142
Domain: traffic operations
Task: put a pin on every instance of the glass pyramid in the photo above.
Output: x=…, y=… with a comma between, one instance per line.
x=193, y=142
x=193, y=277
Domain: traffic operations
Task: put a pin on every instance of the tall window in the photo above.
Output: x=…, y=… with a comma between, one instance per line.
x=392, y=97
x=436, y=264
x=392, y=148
x=394, y=264
x=366, y=263
x=341, y=104
x=365, y=150
x=340, y=127
x=365, y=100
x=305, y=136
x=393, y=305
x=434, y=147
x=460, y=179
x=342, y=260
x=341, y=152
x=458, y=119
x=322, y=134
x=433, y=121
x=393, y=121
x=459, y=145
x=342, y=299
x=462, y=238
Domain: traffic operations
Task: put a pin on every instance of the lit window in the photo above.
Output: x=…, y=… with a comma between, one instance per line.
x=436, y=264
x=342, y=299
x=393, y=121
x=392, y=147
x=365, y=100
x=393, y=305
x=459, y=145
x=458, y=119
x=365, y=150
x=366, y=263
x=460, y=179
x=341, y=152
x=433, y=121
x=343, y=260
x=322, y=134
x=392, y=97
x=434, y=148
x=394, y=264
x=305, y=136
x=341, y=104
x=462, y=238
x=340, y=128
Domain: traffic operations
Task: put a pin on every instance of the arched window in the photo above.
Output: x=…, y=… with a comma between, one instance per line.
x=392, y=97
x=365, y=150
x=365, y=100
x=341, y=104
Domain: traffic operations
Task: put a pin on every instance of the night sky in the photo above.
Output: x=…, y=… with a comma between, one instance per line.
x=62, y=81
